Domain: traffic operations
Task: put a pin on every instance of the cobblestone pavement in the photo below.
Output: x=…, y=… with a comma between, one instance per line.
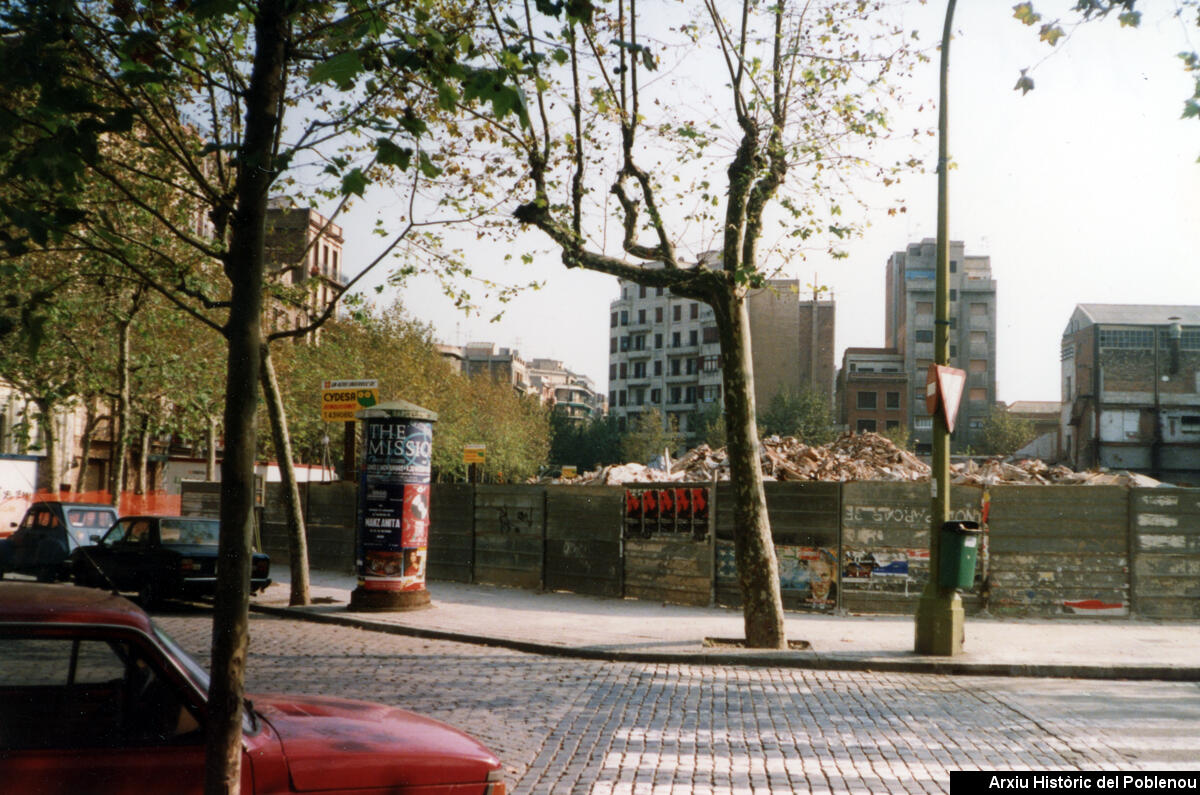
x=570, y=726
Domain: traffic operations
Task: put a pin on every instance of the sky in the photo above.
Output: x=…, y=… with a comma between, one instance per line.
x=1085, y=190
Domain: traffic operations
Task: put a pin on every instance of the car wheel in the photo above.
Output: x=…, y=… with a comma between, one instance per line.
x=148, y=595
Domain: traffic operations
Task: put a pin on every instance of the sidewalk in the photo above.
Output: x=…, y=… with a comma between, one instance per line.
x=629, y=630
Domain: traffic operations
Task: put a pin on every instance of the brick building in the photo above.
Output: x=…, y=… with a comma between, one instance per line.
x=1131, y=389
x=872, y=390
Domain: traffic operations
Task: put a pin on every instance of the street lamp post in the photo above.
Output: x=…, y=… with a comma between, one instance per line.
x=939, y=622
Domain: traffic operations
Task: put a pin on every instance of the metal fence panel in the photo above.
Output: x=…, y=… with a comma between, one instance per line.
x=583, y=539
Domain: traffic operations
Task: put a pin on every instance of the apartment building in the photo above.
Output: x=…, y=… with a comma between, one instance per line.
x=909, y=325
x=664, y=352
x=572, y=394
x=306, y=250
x=1131, y=390
x=873, y=390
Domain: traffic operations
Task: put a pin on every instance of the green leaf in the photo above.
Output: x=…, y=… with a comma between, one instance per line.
x=427, y=166
x=1025, y=13
x=1051, y=34
x=1191, y=109
x=392, y=155
x=1024, y=84
x=340, y=70
x=354, y=183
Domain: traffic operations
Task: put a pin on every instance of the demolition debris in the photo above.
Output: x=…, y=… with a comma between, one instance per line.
x=850, y=457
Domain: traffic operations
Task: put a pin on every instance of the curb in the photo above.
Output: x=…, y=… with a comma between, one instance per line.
x=796, y=659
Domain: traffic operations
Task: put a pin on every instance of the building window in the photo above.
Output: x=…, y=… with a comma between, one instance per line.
x=865, y=426
x=689, y=395
x=642, y=314
x=977, y=395
x=893, y=400
x=975, y=424
x=658, y=366
x=711, y=393
x=1127, y=338
x=693, y=336
x=639, y=397
x=711, y=363
x=674, y=395
x=675, y=338
x=677, y=312
x=655, y=396
x=979, y=310
x=924, y=335
x=923, y=423
x=624, y=344
x=954, y=266
x=695, y=311
x=639, y=369
x=639, y=342
x=690, y=368
x=892, y=425
x=612, y=345
x=710, y=335
x=674, y=367
x=953, y=294
x=624, y=317
x=658, y=315
x=623, y=370
x=612, y=398
x=658, y=340
x=1189, y=423
x=641, y=291
x=613, y=323
x=867, y=400
x=1070, y=394
x=659, y=292
x=977, y=366
x=621, y=397
x=612, y=372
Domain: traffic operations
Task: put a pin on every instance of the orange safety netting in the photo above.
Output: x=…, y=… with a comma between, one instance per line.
x=156, y=502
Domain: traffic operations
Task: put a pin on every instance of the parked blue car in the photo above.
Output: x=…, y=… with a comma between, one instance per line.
x=51, y=530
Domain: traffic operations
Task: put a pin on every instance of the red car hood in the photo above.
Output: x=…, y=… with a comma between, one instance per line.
x=333, y=743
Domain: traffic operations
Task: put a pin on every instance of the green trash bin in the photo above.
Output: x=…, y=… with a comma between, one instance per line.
x=959, y=550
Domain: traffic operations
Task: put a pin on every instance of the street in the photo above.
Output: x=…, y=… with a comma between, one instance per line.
x=562, y=725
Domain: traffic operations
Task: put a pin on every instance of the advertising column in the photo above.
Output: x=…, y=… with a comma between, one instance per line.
x=393, y=507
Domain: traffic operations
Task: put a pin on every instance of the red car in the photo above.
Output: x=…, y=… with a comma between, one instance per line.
x=95, y=698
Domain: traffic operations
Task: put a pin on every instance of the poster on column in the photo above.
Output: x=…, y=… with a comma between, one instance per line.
x=395, y=504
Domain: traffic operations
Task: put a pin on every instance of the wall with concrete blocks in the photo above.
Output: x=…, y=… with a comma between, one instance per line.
x=858, y=547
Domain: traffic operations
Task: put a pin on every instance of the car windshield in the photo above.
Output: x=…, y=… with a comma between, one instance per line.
x=197, y=674
x=204, y=532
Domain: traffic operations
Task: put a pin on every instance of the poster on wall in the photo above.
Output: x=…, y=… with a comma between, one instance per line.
x=394, y=536
x=810, y=572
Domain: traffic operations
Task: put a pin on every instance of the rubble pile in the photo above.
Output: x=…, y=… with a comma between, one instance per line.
x=1033, y=472
x=850, y=457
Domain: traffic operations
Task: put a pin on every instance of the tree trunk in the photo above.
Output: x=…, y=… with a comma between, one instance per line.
x=210, y=464
x=754, y=549
x=143, y=468
x=120, y=416
x=297, y=538
x=244, y=269
x=48, y=472
x=85, y=452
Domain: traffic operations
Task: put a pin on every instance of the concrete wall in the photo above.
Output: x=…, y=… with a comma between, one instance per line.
x=1166, y=552
x=1049, y=550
